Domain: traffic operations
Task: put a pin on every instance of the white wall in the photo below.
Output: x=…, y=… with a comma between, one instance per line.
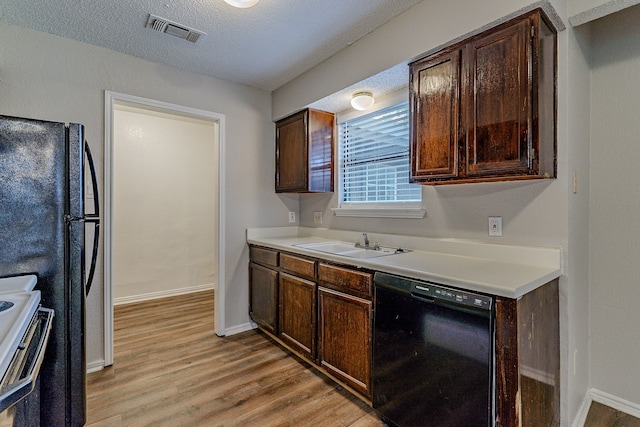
x=574, y=299
x=48, y=77
x=593, y=9
x=615, y=205
x=579, y=6
x=164, y=203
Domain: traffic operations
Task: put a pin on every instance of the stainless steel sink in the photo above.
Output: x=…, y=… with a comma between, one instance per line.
x=350, y=250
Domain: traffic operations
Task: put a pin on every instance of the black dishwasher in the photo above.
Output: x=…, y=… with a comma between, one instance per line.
x=433, y=354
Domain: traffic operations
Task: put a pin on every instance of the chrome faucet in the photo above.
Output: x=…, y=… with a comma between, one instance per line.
x=366, y=245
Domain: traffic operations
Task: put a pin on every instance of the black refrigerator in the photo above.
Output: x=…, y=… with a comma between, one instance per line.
x=42, y=232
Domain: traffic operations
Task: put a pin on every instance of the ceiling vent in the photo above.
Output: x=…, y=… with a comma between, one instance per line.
x=163, y=25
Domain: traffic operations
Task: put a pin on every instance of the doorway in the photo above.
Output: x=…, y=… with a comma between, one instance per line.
x=173, y=247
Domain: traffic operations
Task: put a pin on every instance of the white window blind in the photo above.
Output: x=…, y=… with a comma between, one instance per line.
x=374, y=158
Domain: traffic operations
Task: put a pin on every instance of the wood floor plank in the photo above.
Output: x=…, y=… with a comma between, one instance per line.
x=170, y=369
x=600, y=415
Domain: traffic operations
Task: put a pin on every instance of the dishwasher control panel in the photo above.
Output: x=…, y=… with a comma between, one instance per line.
x=434, y=291
x=429, y=290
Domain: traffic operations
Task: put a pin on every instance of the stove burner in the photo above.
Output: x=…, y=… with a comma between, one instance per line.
x=5, y=305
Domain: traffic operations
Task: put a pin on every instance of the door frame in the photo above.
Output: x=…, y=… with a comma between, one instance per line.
x=111, y=99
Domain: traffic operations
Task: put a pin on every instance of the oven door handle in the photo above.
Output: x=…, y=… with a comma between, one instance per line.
x=13, y=393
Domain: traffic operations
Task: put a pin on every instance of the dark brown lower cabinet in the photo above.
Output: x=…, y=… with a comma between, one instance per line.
x=344, y=338
x=298, y=314
x=263, y=296
x=324, y=313
x=528, y=359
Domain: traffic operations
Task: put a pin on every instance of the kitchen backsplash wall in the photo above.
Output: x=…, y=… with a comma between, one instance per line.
x=530, y=213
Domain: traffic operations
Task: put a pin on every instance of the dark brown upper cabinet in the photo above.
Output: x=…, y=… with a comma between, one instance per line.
x=484, y=109
x=304, y=152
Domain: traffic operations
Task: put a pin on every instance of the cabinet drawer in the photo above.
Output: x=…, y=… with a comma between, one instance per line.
x=343, y=278
x=263, y=256
x=299, y=266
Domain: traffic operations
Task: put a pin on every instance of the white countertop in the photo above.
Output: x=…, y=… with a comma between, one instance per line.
x=504, y=270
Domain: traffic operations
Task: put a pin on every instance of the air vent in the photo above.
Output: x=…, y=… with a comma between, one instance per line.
x=166, y=26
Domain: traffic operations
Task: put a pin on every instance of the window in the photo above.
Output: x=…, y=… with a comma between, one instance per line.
x=374, y=161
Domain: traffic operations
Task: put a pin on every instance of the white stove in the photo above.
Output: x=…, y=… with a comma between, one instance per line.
x=24, y=333
x=21, y=304
x=24, y=283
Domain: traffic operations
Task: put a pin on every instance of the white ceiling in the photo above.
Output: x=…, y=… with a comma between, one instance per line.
x=264, y=46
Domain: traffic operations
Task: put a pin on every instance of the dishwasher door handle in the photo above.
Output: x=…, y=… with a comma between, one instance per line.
x=423, y=298
x=476, y=311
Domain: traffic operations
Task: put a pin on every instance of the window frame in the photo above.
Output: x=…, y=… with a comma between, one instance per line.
x=395, y=209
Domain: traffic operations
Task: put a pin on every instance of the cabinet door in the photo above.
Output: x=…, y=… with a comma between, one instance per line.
x=344, y=338
x=435, y=103
x=263, y=296
x=298, y=314
x=321, y=129
x=291, y=154
x=498, y=102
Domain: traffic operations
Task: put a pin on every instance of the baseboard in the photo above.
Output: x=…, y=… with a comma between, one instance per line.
x=162, y=294
x=615, y=402
x=538, y=375
x=96, y=366
x=581, y=417
x=595, y=395
x=240, y=328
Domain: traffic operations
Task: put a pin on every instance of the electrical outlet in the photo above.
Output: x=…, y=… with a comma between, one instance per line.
x=495, y=226
x=292, y=217
x=317, y=217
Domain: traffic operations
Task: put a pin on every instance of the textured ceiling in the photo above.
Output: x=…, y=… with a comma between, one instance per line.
x=391, y=80
x=264, y=46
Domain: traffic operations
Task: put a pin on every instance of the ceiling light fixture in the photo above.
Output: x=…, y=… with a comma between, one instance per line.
x=242, y=3
x=362, y=100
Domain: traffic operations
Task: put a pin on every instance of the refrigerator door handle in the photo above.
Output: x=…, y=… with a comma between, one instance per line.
x=93, y=218
x=94, y=254
x=94, y=180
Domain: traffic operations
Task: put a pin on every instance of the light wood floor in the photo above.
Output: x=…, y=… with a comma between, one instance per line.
x=600, y=415
x=171, y=370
